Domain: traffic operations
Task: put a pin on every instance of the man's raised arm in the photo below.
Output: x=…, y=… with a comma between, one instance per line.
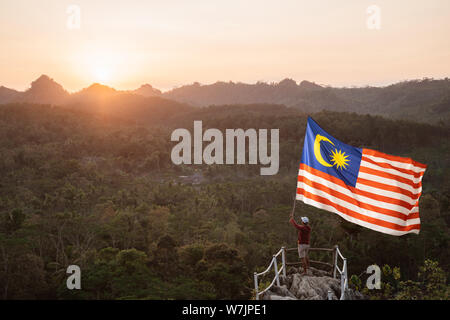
x=295, y=224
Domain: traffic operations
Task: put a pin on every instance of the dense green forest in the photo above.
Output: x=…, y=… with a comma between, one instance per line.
x=101, y=192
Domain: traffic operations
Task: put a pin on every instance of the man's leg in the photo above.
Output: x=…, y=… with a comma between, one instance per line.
x=300, y=258
x=304, y=265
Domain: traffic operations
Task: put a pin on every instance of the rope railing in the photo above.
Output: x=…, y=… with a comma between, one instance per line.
x=273, y=263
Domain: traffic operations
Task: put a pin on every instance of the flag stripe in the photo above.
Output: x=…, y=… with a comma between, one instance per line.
x=389, y=166
x=388, y=181
x=364, y=196
x=386, y=188
x=357, y=215
x=366, y=213
x=395, y=172
x=368, y=209
x=400, y=162
x=356, y=221
x=404, y=183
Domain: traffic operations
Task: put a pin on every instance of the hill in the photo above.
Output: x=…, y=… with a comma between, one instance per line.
x=424, y=100
x=108, y=102
x=418, y=100
x=100, y=100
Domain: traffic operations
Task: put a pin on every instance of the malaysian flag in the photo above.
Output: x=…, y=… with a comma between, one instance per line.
x=370, y=188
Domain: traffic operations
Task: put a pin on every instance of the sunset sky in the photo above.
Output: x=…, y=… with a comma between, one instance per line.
x=170, y=43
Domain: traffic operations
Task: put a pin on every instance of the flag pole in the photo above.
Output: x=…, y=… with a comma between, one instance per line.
x=293, y=208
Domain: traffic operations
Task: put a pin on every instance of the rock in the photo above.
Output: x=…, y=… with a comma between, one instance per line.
x=271, y=296
x=315, y=285
x=311, y=271
x=353, y=295
x=283, y=291
x=307, y=287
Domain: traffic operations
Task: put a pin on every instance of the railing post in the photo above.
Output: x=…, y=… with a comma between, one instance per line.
x=276, y=269
x=283, y=260
x=344, y=281
x=345, y=273
x=330, y=295
x=255, y=277
x=335, y=261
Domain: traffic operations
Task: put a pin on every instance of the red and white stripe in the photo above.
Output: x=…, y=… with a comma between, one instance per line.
x=385, y=197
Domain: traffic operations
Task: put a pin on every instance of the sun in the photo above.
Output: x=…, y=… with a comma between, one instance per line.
x=101, y=74
x=339, y=159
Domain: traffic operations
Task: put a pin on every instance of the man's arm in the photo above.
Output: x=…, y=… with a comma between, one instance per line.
x=299, y=227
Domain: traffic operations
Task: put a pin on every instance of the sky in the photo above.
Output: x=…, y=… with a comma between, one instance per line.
x=125, y=44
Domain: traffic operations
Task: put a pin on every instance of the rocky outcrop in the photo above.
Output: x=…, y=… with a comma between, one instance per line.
x=313, y=286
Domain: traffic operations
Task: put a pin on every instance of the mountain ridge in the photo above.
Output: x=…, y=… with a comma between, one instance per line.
x=425, y=100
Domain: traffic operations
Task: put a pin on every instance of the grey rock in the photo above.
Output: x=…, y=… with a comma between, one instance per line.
x=273, y=296
x=315, y=285
x=283, y=291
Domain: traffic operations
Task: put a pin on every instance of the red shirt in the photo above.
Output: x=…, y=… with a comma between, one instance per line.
x=303, y=232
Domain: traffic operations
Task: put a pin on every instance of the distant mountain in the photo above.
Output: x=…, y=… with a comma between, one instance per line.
x=138, y=105
x=285, y=92
x=104, y=100
x=147, y=90
x=424, y=100
x=306, y=96
x=309, y=85
x=7, y=95
x=94, y=94
x=44, y=90
x=418, y=100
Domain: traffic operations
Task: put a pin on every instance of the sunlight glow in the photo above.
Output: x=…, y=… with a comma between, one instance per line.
x=101, y=74
x=100, y=64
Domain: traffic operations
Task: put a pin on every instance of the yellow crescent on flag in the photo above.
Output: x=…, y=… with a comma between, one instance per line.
x=317, y=153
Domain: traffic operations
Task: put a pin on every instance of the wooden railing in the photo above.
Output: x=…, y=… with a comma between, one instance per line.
x=333, y=265
x=326, y=264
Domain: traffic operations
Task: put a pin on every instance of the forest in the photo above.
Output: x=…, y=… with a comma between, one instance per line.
x=99, y=191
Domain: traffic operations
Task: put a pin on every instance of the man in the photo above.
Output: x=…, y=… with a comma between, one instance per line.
x=304, y=231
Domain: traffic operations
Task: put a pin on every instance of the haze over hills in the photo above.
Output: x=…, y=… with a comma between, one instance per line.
x=148, y=91
x=424, y=100
x=43, y=90
x=97, y=99
x=419, y=100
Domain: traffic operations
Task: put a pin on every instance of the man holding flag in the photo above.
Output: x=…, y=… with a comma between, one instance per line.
x=367, y=187
x=304, y=232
